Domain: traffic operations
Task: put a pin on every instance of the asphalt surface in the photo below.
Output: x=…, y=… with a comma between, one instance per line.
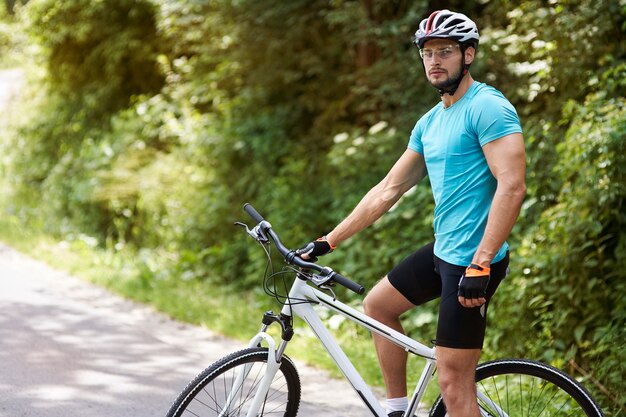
x=69, y=348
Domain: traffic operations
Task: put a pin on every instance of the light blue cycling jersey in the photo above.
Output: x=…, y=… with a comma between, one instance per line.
x=451, y=141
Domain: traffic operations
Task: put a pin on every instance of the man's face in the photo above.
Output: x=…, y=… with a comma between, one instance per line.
x=442, y=61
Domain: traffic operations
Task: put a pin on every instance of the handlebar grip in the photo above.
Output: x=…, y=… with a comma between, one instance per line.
x=349, y=284
x=253, y=213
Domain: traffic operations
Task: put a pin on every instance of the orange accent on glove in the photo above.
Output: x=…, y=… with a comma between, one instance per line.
x=325, y=239
x=476, y=270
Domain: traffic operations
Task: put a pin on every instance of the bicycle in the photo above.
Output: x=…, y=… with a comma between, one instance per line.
x=263, y=381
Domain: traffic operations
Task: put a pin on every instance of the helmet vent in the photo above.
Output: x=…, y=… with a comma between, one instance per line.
x=444, y=24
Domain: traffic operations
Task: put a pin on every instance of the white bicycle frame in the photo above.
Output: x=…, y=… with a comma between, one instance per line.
x=300, y=301
x=300, y=291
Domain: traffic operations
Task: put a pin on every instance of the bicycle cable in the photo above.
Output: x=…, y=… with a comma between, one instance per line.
x=271, y=279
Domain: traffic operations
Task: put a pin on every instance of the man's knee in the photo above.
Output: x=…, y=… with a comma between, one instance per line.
x=385, y=302
x=457, y=372
x=451, y=382
x=372, y=303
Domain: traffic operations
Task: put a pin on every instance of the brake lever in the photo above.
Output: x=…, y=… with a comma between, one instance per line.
x=324, y=281
x=256, y=233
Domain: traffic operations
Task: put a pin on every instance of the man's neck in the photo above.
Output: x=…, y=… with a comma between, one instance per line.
x=465, y=84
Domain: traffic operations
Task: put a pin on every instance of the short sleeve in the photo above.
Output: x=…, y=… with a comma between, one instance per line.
x=415, y=141
x=494, y=118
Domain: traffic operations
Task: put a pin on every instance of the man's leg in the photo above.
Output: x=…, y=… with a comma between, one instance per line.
x=460, y=335
x=385, y=304
x=457, y=371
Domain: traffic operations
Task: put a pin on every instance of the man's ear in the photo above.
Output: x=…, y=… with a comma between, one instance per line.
x=470, y=53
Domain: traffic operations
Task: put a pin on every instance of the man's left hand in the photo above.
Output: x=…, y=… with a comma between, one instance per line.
x=473, y=286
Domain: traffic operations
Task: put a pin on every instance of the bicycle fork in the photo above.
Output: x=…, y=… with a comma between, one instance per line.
x=273, y=364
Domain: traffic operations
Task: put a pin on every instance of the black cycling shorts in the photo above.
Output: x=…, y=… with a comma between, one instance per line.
x=422, y=277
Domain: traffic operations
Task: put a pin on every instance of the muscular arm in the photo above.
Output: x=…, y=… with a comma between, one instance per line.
x=507, y=162
x=407, y=171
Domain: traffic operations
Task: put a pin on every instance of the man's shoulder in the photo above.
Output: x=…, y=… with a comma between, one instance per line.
x=491, y=115
x=485, y=93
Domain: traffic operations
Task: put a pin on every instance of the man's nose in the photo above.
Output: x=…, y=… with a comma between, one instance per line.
x=435, y=60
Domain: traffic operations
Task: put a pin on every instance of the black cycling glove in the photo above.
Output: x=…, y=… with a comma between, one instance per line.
x=316, y=248
x=473, y=283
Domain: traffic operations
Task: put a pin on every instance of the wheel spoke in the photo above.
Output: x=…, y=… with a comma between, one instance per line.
x=221, y=390
x=521, y=388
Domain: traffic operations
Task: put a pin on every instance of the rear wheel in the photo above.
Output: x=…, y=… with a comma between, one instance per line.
x=524, y=388
x=210, y=394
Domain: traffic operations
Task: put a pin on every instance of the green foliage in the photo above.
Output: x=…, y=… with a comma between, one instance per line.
x=12, y=41
x=582, y=245
x=5, y=38
x=570, y=283
x=152, y=122
x=553, y=53
x=97, y=53
x=568, y=279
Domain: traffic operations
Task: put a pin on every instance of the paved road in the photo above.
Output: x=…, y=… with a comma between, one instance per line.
x=68, y=348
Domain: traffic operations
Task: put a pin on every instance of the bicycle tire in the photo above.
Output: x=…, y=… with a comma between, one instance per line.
x=208, y=393
x=527, y=388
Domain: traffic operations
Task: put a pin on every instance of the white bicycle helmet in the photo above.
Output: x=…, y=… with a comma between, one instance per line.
x=444, y=24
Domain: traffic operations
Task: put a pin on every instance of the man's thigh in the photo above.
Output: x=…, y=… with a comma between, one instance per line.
x=458, y=326
x=416, y=278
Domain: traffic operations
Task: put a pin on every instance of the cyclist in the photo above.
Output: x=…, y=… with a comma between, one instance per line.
x=470, y=145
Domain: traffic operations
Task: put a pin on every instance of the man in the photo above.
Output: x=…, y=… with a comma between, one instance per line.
x=471, y=146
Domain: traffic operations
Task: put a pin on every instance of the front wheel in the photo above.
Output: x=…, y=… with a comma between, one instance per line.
x=227, y=388
x=524, y=388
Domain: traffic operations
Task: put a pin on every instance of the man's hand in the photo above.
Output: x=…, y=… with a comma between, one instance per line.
x=473, y=286
x=316, y=248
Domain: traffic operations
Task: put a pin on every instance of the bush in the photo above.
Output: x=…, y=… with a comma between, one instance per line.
x=570, y=285
x=98, y=55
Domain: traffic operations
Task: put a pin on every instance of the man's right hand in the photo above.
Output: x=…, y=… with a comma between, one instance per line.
x=316, y=248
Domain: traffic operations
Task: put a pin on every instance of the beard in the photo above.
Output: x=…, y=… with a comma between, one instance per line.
x=452, y=81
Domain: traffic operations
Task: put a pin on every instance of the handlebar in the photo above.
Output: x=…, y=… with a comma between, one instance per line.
x=253, y=213
x=292, y=258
